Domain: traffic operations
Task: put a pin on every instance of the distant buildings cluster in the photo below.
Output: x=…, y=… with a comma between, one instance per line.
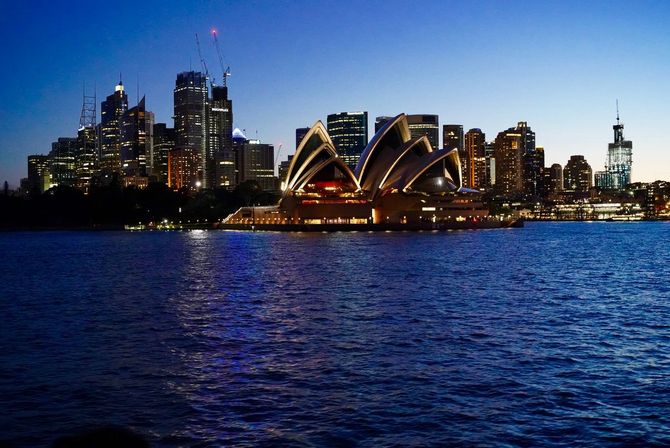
x=509, y=166
x=203, y=150
x=127, y=146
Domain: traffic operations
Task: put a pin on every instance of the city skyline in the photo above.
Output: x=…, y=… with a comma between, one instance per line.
x=279, y=87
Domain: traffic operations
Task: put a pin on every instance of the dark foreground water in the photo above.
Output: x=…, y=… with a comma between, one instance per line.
x=553, y=335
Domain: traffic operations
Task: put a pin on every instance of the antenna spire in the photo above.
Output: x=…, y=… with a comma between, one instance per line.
x=617, y=111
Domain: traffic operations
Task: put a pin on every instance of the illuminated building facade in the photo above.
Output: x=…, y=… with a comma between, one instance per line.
x=86, y=156
x=111, y=111
x=190, y=118
x=62, y=161
x=490, y=158
x=452, y=137
x=555, y=178
x=136, y=126
x=532, y=173
x=220, y=159
x=617, y=172
x=428, y=125
x=183, y=169
x=474, y=162
x=164, y=138
x=39, y=176
x=577, y=174
x=255, y=161
x=509, y=163
x=349, y=132
x=533, y=160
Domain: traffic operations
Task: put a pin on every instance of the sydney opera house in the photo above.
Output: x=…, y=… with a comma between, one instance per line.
x=399, y=181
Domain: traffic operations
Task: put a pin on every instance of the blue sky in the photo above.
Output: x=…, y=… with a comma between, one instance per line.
x=559, y=65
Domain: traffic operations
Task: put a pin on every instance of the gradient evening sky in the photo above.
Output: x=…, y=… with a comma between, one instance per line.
x=559, y=65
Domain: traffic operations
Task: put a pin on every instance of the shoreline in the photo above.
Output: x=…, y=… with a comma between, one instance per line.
x=313, y=227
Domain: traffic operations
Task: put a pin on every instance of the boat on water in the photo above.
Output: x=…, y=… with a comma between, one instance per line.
x=626, y=218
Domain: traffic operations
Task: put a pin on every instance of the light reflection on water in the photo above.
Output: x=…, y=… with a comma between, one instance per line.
x=555, y=334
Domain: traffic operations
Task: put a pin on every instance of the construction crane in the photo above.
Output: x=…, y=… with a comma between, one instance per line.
x=202, y=60
x=225, y=71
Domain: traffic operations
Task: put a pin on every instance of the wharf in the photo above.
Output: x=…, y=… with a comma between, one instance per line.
x=437, y=226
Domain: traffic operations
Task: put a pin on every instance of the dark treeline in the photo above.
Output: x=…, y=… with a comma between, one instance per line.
x=113, y=206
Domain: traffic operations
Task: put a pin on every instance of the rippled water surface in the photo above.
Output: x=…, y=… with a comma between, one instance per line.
x=557, y=334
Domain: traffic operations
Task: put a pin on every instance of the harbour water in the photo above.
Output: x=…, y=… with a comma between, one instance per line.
x=557, y=334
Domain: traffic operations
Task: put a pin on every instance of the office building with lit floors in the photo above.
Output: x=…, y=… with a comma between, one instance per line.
x=349, y=132
x=254, y=161
x=39, y=175
x=474, y=164
x=62, y=162
x=219, y=158
x=425, y=124
x=555, y=182
x=136, y=140
x=394, y=183
x=163, y=144
x=509, y=163
x=619, y=165
x=111, y=111
x=452, y=137
x=190, y=117
x=86, y=156
x=577, y=175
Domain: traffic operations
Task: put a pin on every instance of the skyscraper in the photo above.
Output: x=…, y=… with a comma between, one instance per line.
x=452, y=137
x=219, y=159
x=349, y=131
x=509, y=163
x=190, y=118
x=556, y=178
x=619, y=160
x=62, y=161
x=577, y=174
x=86, y=156
x=111, y=111
x=532, y=173
x=533, y=160
x=136, y=139
x=474, y=162
x=428, y=125
x=39, y=177
x=254, y=161
x=163, y=144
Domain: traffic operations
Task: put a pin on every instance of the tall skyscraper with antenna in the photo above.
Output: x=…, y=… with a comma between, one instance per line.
x=87, y=143
x=186, y=167
x=111, y=111
x=619, y=163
